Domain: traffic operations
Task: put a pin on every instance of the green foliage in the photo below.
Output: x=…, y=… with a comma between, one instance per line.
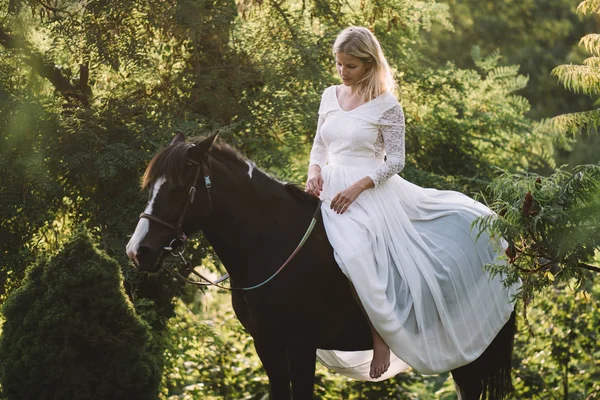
x=29, y=194
x=509, y=27
x=70, y=332
x=560, y=361
x=215, y=361
x=464, y=122
x=552, y=226
x=583, y=78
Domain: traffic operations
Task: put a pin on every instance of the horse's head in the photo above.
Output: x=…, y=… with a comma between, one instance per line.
x=175, y=179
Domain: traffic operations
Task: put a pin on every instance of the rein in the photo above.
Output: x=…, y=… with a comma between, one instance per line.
x=217, y=282
x=181, y=236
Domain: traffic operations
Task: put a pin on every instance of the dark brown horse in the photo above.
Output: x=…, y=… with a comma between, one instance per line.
x=254, y=223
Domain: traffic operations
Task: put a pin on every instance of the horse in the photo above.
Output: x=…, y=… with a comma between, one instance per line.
x=254, y=223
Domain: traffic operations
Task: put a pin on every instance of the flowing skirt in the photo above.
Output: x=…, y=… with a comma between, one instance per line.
x=418, y=268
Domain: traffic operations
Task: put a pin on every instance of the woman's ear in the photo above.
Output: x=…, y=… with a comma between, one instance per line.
x=197, y=152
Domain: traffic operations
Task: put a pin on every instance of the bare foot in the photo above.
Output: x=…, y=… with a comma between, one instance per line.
x=381, y=360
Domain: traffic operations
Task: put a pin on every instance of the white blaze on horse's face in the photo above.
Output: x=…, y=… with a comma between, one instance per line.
x=143, y=224
x=251, y=166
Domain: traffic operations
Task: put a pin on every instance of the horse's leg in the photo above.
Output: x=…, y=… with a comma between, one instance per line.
x=467, y=382
x=489, y=376
x=273, y=357
x=302, y=356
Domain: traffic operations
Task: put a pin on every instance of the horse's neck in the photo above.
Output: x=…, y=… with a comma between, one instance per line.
x=254, y=226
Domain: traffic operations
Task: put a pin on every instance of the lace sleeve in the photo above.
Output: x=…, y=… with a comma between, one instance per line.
x=318, y=154
x=392, y=130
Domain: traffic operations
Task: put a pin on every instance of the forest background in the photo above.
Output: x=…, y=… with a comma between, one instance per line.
x=91, y=90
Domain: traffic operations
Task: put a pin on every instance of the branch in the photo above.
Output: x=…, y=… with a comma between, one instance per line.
x=588, y=267
x=84, y=77
x=45, y=69
x=49, y=7
x=55, y=10
x=281, y=12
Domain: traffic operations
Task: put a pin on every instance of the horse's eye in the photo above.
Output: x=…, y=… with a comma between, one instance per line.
x=178, y=188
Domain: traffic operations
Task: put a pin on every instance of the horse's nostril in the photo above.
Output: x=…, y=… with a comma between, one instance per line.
x=143, y=249
x=145, y=256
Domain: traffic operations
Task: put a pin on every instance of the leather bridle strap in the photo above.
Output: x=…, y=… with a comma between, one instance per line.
x=201, y=166
x=159, y=221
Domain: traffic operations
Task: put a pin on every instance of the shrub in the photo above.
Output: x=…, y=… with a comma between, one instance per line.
x=71, y=333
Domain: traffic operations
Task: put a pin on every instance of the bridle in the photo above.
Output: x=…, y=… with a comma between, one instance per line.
x=178, y=229
x=202, y=167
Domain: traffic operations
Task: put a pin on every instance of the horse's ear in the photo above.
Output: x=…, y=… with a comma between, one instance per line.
x=198, y=151
x=179, y=138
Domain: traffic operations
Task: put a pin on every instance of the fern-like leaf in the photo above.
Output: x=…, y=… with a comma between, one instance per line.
x=574, y=123
x=579, y=78
x=588, y=7
x=591, y=43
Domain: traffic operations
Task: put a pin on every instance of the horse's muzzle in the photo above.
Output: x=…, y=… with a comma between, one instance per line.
x=149, y=260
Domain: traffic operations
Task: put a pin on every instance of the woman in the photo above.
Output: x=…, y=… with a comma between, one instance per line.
x=410, y=253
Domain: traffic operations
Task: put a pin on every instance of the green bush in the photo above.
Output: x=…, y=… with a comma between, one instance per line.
x=71, y=333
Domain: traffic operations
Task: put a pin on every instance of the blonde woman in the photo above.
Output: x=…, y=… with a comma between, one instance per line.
x=409, y=252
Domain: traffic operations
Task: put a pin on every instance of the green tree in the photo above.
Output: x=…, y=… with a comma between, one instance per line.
x=71, y=332
x=559, y=361
x=552, y=224
x=537, y=35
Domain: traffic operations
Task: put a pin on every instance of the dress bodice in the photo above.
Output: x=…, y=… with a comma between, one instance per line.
x=373, y=130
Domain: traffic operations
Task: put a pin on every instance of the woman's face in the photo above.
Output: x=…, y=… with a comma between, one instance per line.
x=350, y=68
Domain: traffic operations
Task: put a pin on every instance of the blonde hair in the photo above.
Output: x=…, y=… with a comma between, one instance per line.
x=359, y=42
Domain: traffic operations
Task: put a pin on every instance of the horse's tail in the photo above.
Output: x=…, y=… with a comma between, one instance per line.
x=497, y=382
x=489, y=376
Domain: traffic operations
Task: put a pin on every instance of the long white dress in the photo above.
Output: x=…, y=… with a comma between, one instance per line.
x=409, y=251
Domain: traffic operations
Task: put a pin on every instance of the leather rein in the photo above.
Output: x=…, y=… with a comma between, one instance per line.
x=181, y=236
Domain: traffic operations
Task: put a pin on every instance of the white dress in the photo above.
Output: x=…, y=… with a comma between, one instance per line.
x=409, y=251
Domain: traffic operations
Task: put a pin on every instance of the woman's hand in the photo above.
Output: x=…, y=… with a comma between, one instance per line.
x=314, y=184
x=343, y=199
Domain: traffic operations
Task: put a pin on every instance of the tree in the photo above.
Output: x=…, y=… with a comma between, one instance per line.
x=552, y=224
x=71, y=332
x=537, y=35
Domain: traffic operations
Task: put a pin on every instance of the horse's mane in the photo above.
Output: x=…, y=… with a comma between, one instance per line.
x=171, y=162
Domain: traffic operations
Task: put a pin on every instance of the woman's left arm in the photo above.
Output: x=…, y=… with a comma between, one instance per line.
x=392, y=130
